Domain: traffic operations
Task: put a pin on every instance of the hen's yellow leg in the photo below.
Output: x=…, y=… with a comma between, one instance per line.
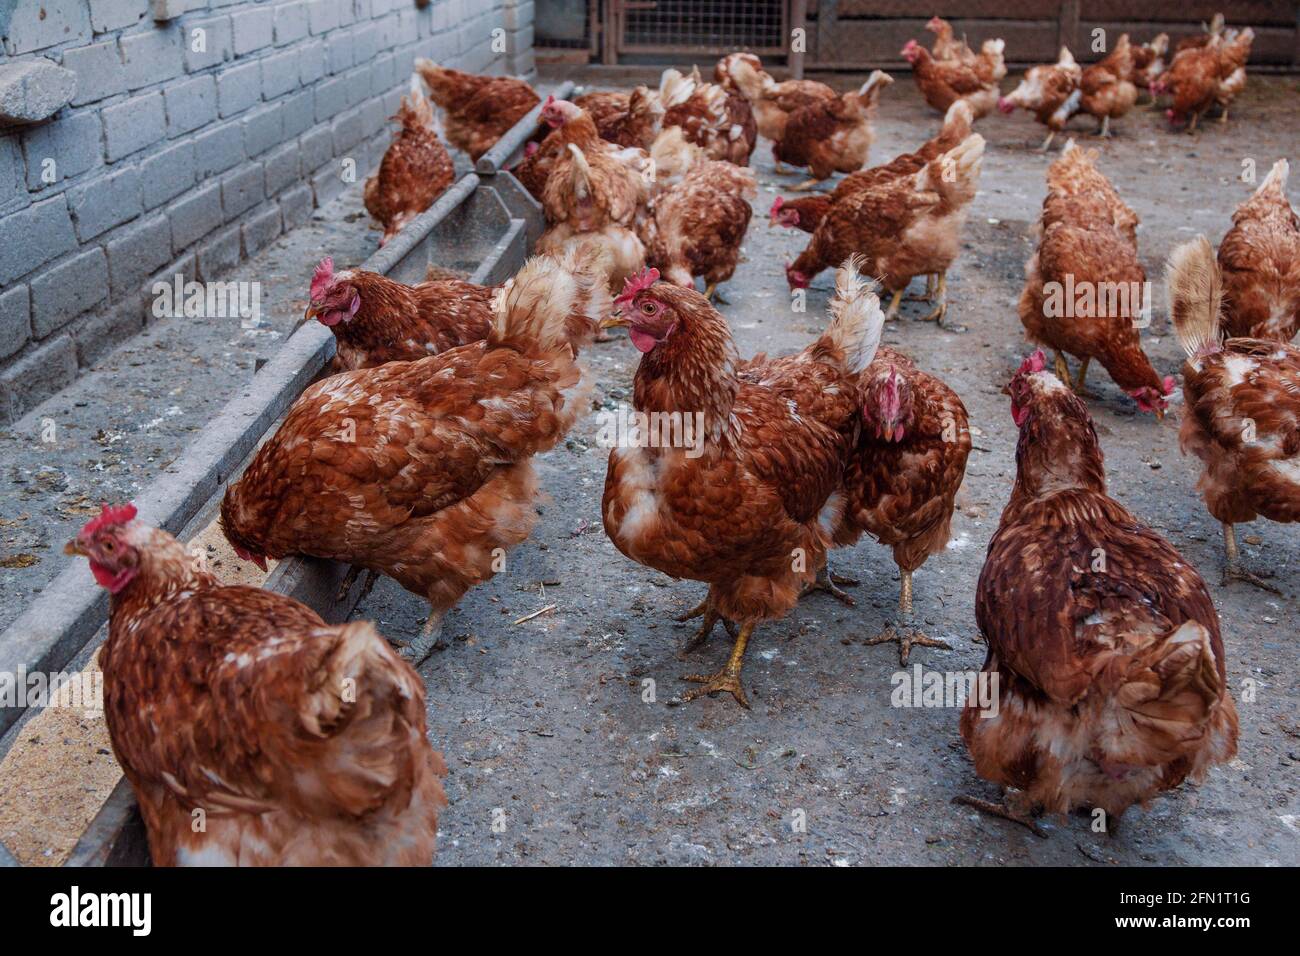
x=727, y=679
x=901, y=631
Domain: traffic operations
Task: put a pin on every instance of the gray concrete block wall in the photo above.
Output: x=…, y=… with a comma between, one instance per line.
x=193, y=142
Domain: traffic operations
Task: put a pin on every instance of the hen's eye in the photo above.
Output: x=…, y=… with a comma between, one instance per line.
x=648, y=308
x=108, y=545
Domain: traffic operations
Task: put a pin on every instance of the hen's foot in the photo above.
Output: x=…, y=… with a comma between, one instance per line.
x=806, y=185
x=417, y=650
x=711, y=617
x=907, y=638
x=724, y=680
x=827, y=581
x=1235, y=572
x=1005, y=812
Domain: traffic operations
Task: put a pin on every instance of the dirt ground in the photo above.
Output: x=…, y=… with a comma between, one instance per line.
x=556, y=756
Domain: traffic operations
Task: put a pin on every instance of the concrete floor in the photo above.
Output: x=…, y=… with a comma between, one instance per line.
x=557, y=757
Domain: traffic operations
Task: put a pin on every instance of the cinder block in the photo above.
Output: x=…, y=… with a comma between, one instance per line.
x=109, y=15
x=327, y=184
x=263, y=128
x=519, y=14
x=348, y=130
x=66, y=290
x=220, y=253
x=279, y=74
x=261, y=229
x=316, y=147
x=357, y=84
x=97, y=335
x=16, y=311
x=106, y=201
x=281, y=167
x=252, y=29
x=46, y=231
x=241, y=190
x=99, y=72
x=35, y=26
x=64, y=148
x=133, y=125
x=13, y=188
x=299, y=113
x=194, y=216
x=190, y=104
x=323, y=16
x=218, y=149
x=36, y=376
x=331, y=98
x=338, y=51
x=207, y=43
x=296, y=206
x=238, y=88
x=168, y=174
x=34, y=90
x=290, y=22
x=365, y=43
x=135, y=251
x=374, y=120
x=383, y=75
x=311, y=62
x=152, y=56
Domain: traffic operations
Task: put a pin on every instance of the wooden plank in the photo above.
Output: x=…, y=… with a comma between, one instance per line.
x=950, y=9
x=859, y=44
x=1235, y=12
x=1068, y=25
x=1272, y=45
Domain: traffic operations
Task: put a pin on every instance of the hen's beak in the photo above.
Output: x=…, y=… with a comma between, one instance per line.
x=74, y=547
x=615, y=322
x=1160, y=414
x=311, y=313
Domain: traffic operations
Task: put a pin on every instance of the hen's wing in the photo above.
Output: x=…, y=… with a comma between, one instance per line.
x=1071, y=575
x=238, y=699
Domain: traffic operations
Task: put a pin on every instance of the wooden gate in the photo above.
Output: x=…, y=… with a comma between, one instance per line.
x=683, y=27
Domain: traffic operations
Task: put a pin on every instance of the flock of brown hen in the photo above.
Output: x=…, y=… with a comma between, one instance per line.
x=304, y=742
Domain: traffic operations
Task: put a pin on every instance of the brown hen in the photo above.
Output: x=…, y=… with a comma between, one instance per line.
x=1105, y=665
x=477, y=110
x=415, y=170
x=252, y=732
x=749, y=507
x=423, y=470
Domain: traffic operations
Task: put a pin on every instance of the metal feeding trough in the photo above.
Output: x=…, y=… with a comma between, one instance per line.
x=483, y=226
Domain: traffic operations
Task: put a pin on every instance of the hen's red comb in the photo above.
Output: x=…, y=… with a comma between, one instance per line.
x=776, y=206
x=549, y=100
x=322, y=277
x=1169, y=384
x=637, y=283
x=1034, y=363
x=120, y=514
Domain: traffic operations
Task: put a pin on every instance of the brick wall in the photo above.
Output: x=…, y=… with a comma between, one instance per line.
x=192, y=142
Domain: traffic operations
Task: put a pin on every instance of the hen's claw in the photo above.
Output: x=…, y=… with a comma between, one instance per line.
x=1235, y=572
x=723, y=680
x=1003, y=811
x=907, y=638
x=827, y=581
